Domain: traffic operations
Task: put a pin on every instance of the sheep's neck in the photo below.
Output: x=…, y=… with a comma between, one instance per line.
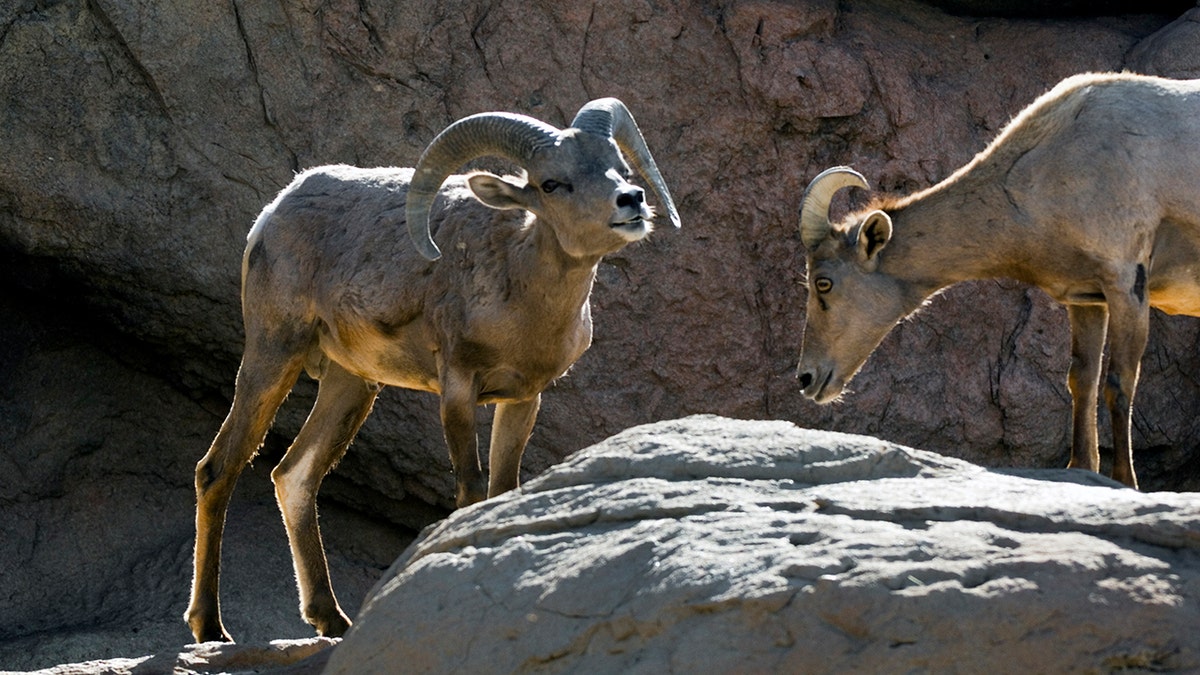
x=951, y=233
x=553, y=284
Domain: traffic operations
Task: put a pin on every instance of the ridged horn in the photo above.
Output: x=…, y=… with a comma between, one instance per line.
x=814, y=206
x=609, y=117
x=513, y=137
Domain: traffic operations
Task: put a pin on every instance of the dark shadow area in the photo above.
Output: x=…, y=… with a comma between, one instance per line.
x=97, y=452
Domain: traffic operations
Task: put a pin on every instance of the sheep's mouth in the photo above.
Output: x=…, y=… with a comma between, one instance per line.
x=633, y=229
x=636, y=221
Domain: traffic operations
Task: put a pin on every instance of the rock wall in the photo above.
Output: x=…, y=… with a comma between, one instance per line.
x=139, y=139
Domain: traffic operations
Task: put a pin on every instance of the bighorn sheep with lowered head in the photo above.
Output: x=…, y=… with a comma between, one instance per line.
x=329, y=287
x=1092, y=193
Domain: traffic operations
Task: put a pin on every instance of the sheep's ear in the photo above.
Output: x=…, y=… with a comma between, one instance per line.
x=501, y=193
x=874, y=233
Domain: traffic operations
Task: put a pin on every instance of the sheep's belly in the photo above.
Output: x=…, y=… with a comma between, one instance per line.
x=1177, y=300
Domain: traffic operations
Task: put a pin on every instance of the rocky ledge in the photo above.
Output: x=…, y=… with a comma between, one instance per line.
x=713, y=545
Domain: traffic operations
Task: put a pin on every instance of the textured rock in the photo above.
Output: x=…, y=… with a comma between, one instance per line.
x=279, y=657
x=712, y=545
x=139, y=139
x=1032, y=8
x=1174, y=50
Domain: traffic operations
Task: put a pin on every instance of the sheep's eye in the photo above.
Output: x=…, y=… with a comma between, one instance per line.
x=552, y=185
x=823, y=285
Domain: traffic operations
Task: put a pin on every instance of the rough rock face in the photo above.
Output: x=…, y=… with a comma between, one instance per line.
x=139, y=139
x=712, y=545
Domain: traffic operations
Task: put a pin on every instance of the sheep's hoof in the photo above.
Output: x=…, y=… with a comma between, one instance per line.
x=471, y=493
x=334, y=627
x=206, y=630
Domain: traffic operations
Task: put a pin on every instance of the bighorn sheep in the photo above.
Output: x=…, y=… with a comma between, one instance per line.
x=1092, y=193
x=328, y=287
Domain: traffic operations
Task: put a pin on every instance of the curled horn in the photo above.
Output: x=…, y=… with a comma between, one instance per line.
x=814, y=206
x=609, y=117
x=514, y=137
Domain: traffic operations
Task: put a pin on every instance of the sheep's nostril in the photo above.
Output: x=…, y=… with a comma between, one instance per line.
x=805, y=380
x=629, y=199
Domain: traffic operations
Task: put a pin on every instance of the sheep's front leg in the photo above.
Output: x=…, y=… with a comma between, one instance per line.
x=511, y=426
x=1128, y=329
x=460, y=395
x=1088, y=326
x=343, y=402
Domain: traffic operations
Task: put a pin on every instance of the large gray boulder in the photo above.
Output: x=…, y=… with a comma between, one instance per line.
x=713, y=545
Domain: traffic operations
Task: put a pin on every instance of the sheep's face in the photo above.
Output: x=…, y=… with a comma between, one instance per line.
x=580, y=188
x=851, y=305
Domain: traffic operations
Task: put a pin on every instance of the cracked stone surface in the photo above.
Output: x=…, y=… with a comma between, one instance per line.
x=712, y=545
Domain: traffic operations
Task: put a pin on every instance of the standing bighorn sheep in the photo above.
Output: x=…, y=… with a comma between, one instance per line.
x=1092, y=193
x=328, y=287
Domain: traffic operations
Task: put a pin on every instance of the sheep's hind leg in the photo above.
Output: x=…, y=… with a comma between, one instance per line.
x=263, y=382
x=1128, y=329
x=343, y=402
x=511, y=426
x=1088, y=327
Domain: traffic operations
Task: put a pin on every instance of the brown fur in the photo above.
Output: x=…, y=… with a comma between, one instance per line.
x=332, y=285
